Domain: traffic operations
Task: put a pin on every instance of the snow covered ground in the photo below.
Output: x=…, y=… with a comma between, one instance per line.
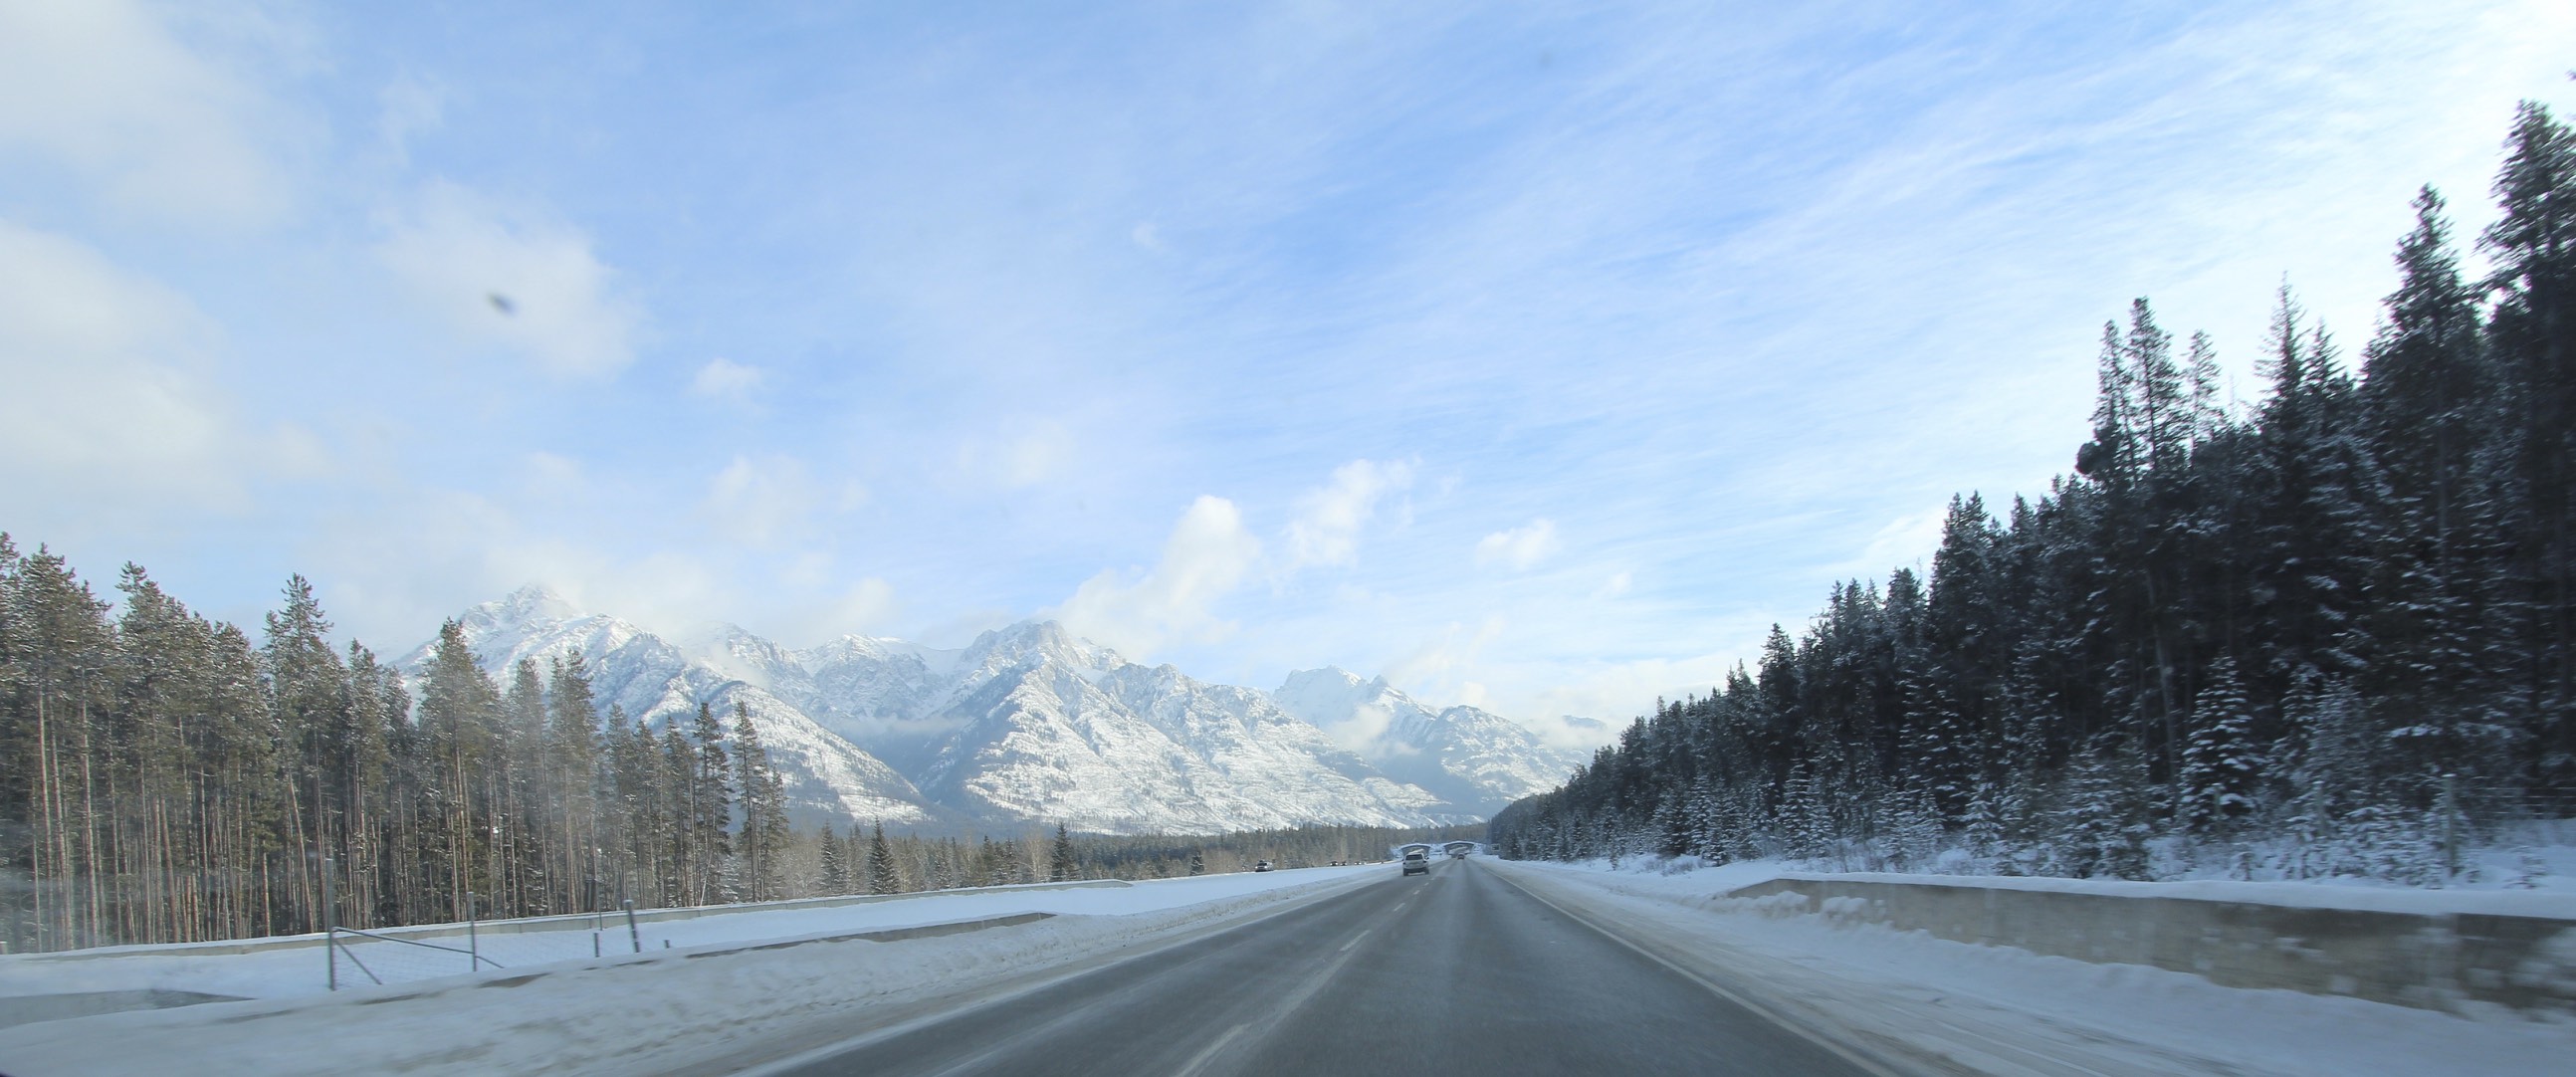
x=2553, y=895
x=699, y=1003
x=2001, y=1010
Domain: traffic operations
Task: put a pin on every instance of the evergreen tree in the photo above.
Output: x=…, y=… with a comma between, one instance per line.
x=764, y=808
x=710, y=809
x=1061, y=864
x=2220, y=769
x=882, y=875
x=836, y=874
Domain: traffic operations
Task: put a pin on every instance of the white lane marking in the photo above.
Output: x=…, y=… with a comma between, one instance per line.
x=1105, y=955
x=1288, y=1007
x=1355, y=940
x=1199, y=1061
x=1864, y=1062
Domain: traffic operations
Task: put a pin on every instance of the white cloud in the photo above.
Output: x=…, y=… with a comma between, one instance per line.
x=1437, y=664
x=512, y=277
x=407, y=106
x=1906, y=541
x=553, y=477
x=863, y=608
x=1031, y=453
x=1521, y=547
x=394, y=568
x=1618, y=584
x=1327, y=528
x=1361, y=731
x=765, y=501
x=107, y=403
x=103, y=87
x=726, y=379
x=1204, y=560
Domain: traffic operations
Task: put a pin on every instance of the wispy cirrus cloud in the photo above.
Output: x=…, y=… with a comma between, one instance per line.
x=1544, y=357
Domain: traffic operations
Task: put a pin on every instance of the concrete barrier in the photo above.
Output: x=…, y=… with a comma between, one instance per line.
x=2435, y=961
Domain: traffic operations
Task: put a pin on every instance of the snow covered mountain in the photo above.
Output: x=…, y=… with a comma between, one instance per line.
x=1026, y=723
x=658, y=681
x=1476, y=761
x=1056, y=728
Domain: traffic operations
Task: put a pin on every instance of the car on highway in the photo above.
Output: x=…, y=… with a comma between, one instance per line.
x=1417, y=864
x=1263, y=865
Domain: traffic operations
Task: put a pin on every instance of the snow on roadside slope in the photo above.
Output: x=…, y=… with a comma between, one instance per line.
x=1685, y=877
x=661, y=1011
x=2000, y=1008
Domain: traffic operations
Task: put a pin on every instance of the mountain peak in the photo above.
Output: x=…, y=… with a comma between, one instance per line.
x=1041, y=638
x=529, y=604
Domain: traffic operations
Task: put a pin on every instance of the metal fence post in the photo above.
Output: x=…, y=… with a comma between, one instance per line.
x=473, y=950
x=330, y=925
x=633, y=935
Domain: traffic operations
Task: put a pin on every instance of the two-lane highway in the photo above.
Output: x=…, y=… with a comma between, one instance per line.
x=1455, y=972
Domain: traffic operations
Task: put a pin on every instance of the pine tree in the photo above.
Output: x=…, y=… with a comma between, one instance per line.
x=836, y=875
x=764, y=807
x=569, y=771
x=882, y=875
x=1061, y=864
x=2532, y=333
x=710, y=808
x=2102, y=828
x=2220, y=768
x=460, y=718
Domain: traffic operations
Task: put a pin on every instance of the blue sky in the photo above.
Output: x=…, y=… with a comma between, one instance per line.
x=1538, y=357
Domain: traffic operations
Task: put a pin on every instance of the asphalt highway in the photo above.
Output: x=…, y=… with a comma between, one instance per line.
x=1457, y=972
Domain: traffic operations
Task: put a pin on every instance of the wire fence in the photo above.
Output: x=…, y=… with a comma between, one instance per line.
x=358, y=958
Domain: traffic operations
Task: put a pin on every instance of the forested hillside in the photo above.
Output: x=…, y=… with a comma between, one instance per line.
x=167, y=778
x=2327, y=636
x=170, y=778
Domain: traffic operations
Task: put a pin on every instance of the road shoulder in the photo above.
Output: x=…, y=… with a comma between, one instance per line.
x=1932, y=1006
x=715, y=1013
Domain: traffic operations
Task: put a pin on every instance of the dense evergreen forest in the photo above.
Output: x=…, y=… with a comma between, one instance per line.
x=2328, y=636
x=168, y=778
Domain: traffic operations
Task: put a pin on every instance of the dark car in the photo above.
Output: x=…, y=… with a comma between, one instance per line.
x=1262, y=865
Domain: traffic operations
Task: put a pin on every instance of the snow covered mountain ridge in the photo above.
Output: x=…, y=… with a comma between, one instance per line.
x=1030, y=723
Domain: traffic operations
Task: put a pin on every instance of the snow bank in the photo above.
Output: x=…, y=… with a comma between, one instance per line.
x=1958, y=1006
x=2436, y=949
x=2557, y=904
x=286, y=968
x=2487, y=890
x=706, y=1002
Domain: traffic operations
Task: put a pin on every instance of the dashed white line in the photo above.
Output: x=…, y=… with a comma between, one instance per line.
x=1199, y=1061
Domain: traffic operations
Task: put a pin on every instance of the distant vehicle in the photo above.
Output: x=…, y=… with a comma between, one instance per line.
x=1261, y=865
x=1457, y=854
x=1417, y=864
